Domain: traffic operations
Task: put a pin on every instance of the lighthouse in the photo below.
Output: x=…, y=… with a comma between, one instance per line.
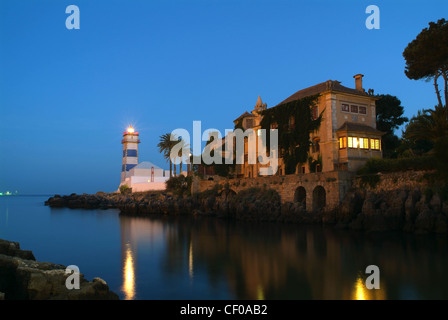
x=130, y=152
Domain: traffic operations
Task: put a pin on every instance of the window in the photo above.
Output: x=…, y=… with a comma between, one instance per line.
x=291, y=122
x=249, y=123
x=316, y=146
x=345, y=107
x=353, y=142
x=354, y=109
x=363, y=143
x=314, y=112
x=375, y=144
x=303, y=169
x=342, y=142
x=362, y=110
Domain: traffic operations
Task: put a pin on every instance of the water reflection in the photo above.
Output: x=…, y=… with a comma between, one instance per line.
x=277, y=261
x=128, y=274
x=360, y=292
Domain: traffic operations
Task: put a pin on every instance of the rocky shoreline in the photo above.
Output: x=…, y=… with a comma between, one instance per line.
x=403, y=209
x=24, y=278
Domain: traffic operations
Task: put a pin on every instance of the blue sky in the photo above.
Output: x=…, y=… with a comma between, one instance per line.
x=67, y=95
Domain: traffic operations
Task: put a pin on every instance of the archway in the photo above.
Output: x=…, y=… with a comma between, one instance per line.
x=319, y=198
x=300, y=196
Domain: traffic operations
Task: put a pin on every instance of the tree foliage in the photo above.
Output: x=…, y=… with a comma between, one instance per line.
x=293, y=140
x=430, y=129
x=165, y=146
x=428, y=125
x=389, y=117
x=179, y=185
x=124, y=189
x=427, y=56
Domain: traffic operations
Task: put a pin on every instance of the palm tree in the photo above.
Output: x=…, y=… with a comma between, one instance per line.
x=183, y=147
x=429, y=125
x=165, y=145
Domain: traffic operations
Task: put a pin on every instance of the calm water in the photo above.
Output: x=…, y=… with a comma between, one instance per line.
x=214, y=259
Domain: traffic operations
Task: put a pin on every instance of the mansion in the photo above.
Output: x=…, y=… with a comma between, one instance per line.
x=346, y=138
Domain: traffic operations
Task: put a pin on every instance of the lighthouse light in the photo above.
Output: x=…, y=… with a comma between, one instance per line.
x=131, y=130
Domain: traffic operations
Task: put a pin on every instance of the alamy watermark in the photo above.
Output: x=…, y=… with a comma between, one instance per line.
x=373, y=20
x=73, y=20
x=373, y=280
x=232, y=149
x=73, y=280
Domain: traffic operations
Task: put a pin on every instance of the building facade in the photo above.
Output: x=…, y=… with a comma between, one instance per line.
x=347, y=137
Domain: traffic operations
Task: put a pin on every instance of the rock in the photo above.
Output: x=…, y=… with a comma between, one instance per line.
x=424, y=223
x=410, y=210
x=28, y=279
x=11, y=248
x=350, y=207
x=2, y=296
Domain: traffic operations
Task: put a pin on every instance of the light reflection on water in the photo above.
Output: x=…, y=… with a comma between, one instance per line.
x=128, y=274
x=280, y=261
x=185, y=258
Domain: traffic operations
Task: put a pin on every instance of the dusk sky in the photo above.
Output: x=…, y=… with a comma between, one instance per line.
x=66, y=96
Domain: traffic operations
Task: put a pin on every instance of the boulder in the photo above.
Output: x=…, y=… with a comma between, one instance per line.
x=28, y=279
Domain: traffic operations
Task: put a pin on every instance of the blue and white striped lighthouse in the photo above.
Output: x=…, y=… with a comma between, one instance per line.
x=130, y=152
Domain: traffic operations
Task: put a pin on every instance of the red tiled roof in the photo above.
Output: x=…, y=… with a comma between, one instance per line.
x=322, y=87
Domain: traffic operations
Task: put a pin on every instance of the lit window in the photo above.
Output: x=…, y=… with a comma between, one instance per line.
x=355, y=142
x=350, y=142
x=364, y=143
x=354, y=109
x=342, y=142
x=362, y=110
x=375, y=144
x=345, y=107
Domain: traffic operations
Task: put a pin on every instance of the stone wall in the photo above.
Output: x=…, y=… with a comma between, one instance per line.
x=392, y=181
x=323, y=189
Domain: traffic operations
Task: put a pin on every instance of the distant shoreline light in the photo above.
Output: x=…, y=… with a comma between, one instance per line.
x=8, y=193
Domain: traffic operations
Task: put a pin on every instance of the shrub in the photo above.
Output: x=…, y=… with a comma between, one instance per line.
x=125, y=189
x=376, y=165
x=179, y=185
x=371, y=179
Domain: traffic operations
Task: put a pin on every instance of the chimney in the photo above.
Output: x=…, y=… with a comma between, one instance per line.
x=358, y=82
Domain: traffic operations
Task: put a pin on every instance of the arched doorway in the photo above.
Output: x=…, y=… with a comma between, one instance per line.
x=300, y=196
x=319, y=198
